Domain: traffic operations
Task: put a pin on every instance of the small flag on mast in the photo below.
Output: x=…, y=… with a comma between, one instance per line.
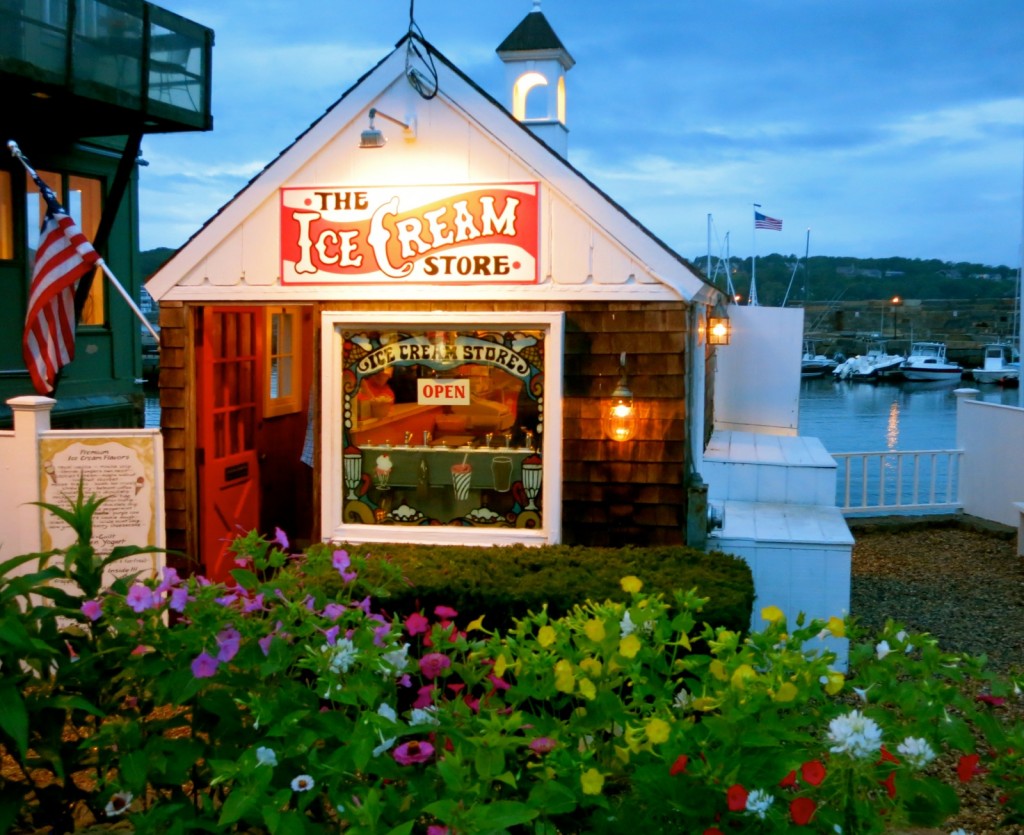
x=64, y=256
x=764, y=222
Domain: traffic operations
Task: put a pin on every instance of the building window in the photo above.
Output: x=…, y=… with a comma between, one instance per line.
x=82, y=199
x=283, y=362
x=442, y=428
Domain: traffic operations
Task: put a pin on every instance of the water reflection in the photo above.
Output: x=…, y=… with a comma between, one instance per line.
x=892, y=429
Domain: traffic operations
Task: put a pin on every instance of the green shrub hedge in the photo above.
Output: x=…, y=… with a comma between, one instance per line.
x=505, y=582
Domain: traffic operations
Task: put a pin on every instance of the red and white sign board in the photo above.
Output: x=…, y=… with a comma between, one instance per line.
x=452, y=234
x=442, y=392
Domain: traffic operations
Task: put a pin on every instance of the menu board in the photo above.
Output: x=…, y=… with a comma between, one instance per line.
x=121, y=469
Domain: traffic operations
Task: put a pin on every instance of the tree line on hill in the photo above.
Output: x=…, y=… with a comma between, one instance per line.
x=829, y=278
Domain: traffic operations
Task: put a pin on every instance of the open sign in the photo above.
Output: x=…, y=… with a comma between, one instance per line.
x=443, y=392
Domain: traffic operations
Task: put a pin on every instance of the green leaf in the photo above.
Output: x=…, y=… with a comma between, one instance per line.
x=489, y=761
x=14, y=717
x=238, y=804
x=245, y=578
x=552, y=798
x=500, y=815
x=929, y=802
x=403, y=828
x=134, y=771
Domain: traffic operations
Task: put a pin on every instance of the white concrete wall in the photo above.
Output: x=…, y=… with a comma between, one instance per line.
x=992, y=473
x=757, y=380
x=20, y=529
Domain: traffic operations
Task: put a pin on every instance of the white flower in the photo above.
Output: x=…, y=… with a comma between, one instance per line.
x=303, y=783
x=882, y=649
x=626, y=625
x=960, y=831
x=682, y=699
x=385, y=744
x=343, y=655
x=917, y=751
x=395, y=661
x=118, y=804
x=424, y=716
x=387, y=712
x=758, y=802
x=266, y=756
x=855, y=734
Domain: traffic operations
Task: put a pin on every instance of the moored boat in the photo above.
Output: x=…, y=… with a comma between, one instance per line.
x=927, y=361
x=874, y=364
x=813, y=364
x=998, y=365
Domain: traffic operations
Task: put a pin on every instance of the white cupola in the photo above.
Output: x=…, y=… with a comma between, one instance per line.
x=535, y=67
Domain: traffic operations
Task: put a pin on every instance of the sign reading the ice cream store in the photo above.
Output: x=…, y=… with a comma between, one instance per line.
x=454, y=234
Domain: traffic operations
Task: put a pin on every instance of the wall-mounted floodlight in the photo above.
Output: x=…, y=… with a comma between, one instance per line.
x=372, y=136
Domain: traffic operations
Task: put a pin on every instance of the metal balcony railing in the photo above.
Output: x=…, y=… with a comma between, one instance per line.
x=898, y=482
x=127, y=56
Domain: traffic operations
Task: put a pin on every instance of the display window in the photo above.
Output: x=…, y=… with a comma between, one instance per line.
x=448, y=429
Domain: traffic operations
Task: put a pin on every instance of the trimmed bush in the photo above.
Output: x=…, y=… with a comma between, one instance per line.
x=505, y=583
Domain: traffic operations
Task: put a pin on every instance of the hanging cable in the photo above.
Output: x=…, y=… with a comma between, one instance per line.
x=423, y=81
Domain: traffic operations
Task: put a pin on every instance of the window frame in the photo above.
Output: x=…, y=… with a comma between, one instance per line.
x=292, y=402
x=333, y=526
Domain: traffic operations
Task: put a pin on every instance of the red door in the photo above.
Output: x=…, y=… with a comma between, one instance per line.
x=229, y=354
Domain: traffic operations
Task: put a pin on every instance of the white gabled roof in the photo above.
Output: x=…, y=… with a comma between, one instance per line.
x=590, y=248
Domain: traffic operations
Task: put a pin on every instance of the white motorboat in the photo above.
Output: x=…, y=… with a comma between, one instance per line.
x=927, y=361
x=874, y=364
x=813, y=364
x=998, y=365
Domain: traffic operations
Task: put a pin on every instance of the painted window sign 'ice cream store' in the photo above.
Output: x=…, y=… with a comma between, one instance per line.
x=442, y=427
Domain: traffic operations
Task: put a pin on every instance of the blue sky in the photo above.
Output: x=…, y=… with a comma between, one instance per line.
x=886, y=127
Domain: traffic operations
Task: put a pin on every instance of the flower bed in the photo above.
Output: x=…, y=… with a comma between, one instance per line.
x=271, y=706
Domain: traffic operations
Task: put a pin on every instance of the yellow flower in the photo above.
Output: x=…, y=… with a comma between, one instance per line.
x=704, y=703
x=658, y=730
x=622, y=754
x=837, y=626
x=592, y=781
x=631, y=584
x=591, y=666
x=834, y=682
x=587, y=689
x=545, y=636
x=500, y=665
x=742, y=674
x=717, y=669
x=786, y=692
x=476, y=625
x=594, y=630
x=564, y=680
x=629, y=646
x=772, y=614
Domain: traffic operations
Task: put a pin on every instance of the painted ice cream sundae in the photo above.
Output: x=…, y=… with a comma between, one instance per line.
x=382, y=472
x=462, y=474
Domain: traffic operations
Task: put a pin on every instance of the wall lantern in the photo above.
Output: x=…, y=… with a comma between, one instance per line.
x=372, y=136
x=719, y=329
x=618, y=415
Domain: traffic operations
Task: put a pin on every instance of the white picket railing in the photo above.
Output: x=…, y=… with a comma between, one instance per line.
x=895, y=482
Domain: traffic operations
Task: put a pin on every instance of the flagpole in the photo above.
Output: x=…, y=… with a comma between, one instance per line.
x=17, y=154
x=752, y=300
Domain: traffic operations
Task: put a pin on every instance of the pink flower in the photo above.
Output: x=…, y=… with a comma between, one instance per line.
x=341, y=563
x=425, y=697
x=434, y=663
x=445, y=612
x=139, y=598
x=434, y=829
x=498, y=683
x=204, y=665
x=987, y=698
x=416, y=624
x=413, y=752
x=92, y=609
x=228, y=641
x=542, y=745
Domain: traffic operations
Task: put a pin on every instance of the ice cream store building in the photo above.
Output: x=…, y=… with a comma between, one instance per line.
x=420, y=323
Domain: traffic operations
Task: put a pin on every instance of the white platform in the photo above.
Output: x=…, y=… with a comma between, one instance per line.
x=775, y=497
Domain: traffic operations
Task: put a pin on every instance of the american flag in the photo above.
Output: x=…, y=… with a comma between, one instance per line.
x=63, y=257
x=764, y=222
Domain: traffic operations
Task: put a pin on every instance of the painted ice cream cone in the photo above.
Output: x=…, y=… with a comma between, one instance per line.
x=382, y=473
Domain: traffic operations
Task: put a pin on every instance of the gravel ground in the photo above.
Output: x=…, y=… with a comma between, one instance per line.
x=962, y=581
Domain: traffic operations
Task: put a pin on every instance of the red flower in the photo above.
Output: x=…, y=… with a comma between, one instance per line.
x=890, y=784
x=416, y=624
x=789, y=781
x=712, y=831
x=887, y=757
x=968, y=767
x=679, y=766
x=801, y=810
x=994, y=701
x=813, y=772
x=736, y=798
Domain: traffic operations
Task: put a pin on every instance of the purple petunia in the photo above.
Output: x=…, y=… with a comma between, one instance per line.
x=179, y=597
x=228, y=642
x=92, y=609
x=204, y=665
x=139, y=598
x=281, y=538
x=341, y=563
